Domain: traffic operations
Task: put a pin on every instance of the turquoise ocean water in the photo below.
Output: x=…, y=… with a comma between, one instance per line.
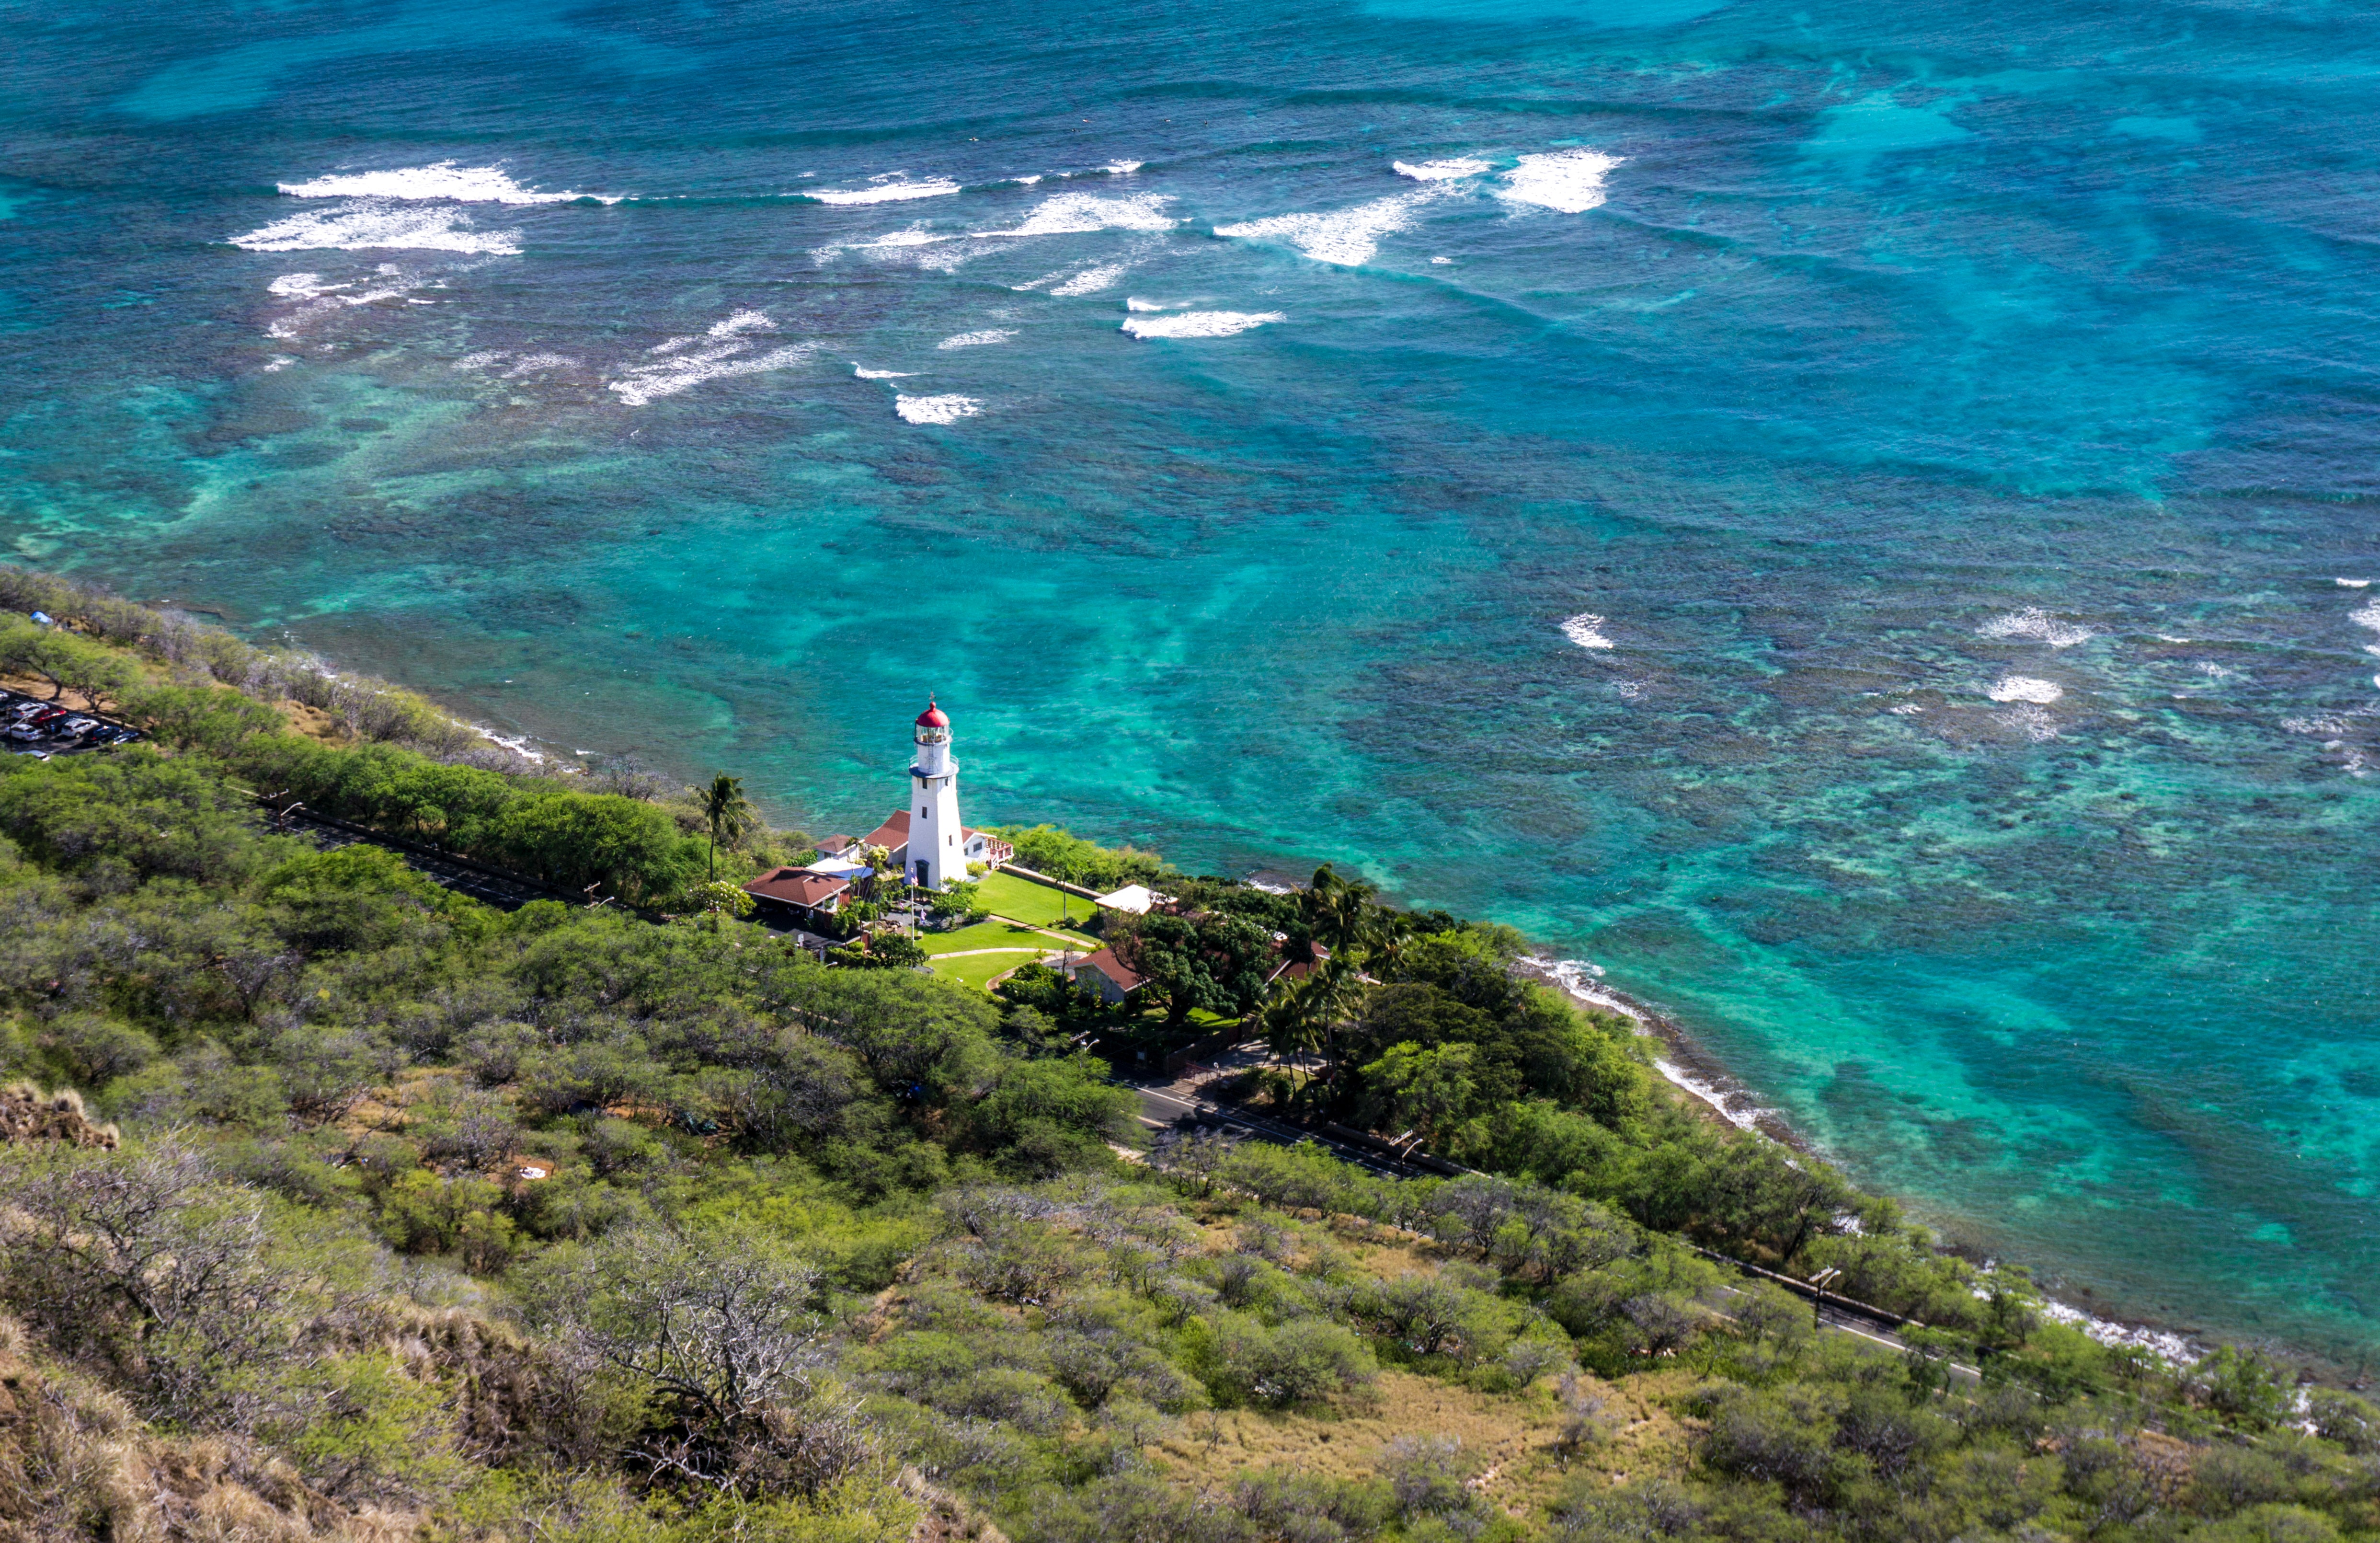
x=1848, y=518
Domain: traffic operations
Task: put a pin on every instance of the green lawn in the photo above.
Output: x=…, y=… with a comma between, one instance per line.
x=976, y=970
x=986, y=934
x=1028, y=900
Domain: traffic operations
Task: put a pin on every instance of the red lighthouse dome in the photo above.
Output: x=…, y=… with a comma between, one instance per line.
x=933, y=717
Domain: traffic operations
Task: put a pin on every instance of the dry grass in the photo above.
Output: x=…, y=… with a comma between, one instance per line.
x=76, y=1462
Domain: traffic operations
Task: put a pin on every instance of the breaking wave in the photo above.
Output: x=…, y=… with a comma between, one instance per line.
x=885, y=191
x=936, y=410
x=442, y=179
x=374, y=225
x=1199, y=323
x=2036, y=625
x=1585, y=629
x=1567, y=180
x=1344, y=237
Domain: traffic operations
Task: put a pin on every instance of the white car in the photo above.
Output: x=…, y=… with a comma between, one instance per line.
x=78, y=725
x=23, y=710
x=25, y=730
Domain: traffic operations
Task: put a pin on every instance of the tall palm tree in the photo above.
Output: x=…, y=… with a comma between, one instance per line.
x=730, y=813
x=1340, y=911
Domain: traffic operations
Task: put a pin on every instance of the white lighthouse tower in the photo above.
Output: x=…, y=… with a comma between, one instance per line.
x=937, y=840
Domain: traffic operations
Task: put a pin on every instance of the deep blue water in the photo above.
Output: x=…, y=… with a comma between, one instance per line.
x=1958, y=421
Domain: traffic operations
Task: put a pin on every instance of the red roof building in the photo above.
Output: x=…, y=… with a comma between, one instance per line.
x=1105, y=974
x=809, y=896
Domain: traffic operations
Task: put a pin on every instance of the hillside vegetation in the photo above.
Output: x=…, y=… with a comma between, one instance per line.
x=334, y=1204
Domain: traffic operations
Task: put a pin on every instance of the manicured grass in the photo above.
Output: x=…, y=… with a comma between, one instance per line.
x=976, y=970
x=1037, y=904
x=986, y=934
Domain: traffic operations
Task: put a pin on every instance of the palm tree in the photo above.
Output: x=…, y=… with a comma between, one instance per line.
x=1341, y=913
x=730, y=813
x=1303, y=1017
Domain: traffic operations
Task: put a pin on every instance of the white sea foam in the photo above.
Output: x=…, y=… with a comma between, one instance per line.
x=2033, y=721
x=301, y=286
x=936, y=410
x=2033, y=624
x=2352, y=583
x=1442, y=260
x=977, y=339
x=1906, y=710
x=867, y=374
x=1567, y=180
x=1078, y=214
x=1200, y=323
x=1123, y=168
x=1439, y=171
x=1585, y=629
x=532, y=364
x=2162, y=1343
x=913, y=237
x=2025, y=688
x=2366, y=616
x=1344, y=237
x=1135, y=303
x=443, y=180
x=1091, y=281
x=366, y=225
x=278, y=363
x=1630, y=690
x=885, y=189
x=479, y=360
x=682, y=363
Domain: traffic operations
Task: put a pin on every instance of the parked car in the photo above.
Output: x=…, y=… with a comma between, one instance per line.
x=78, y=725
x=24, y=731
x=26, y=707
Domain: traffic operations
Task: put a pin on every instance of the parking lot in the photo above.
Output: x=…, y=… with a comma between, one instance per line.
x=31, y=726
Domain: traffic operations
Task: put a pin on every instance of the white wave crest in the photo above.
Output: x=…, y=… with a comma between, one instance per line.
x=867, y=374
x=2025, y=688
x=301, y=286
x=442, y=181
x=936, y=410
x=1344, y=237
x=1123, y=168
x=1091, y=281
x=532, y=364
x=884, y=191
x=1567, y=180
x=913, y=237
x=2036, y=625
x=1439, y=171
x=2031, y=720
x=1200, y=323
x=2366, y=616
x=1133, y=303
x=369, y=225
x=682, y=363
x=2352, y=583
x=977, y=339
x=1585, y=629
x=1078, y=214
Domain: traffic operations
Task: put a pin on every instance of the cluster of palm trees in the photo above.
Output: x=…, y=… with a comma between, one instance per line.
x=1301, y=1018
